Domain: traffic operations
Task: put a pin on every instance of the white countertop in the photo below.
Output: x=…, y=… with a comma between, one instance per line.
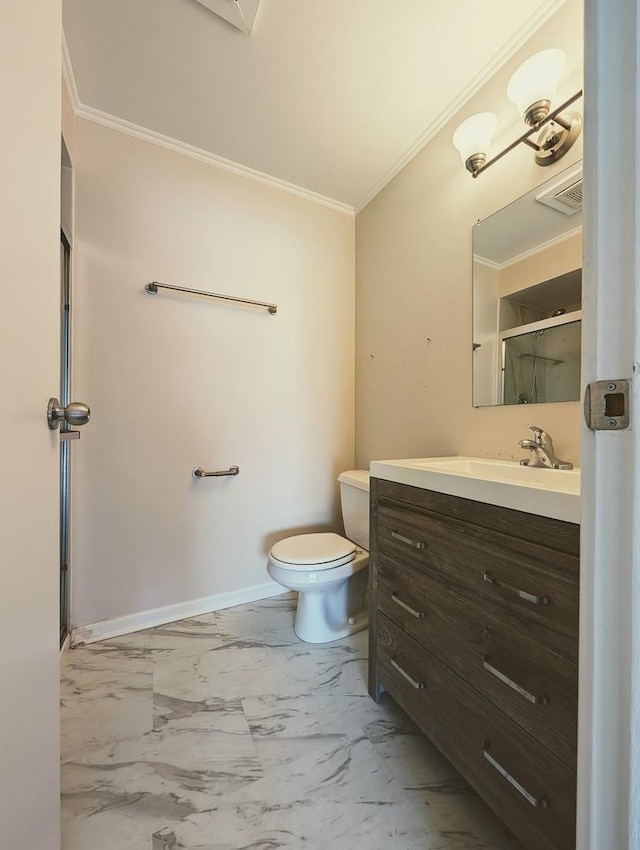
x=553, y=493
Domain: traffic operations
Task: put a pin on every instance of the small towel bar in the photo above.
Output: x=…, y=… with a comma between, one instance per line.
x=199, y=472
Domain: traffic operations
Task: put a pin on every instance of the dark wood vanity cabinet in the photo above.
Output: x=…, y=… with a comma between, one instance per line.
x=474, y=632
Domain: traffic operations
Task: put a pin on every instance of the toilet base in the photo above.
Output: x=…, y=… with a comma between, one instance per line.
x=314, y=632
x=334, y=614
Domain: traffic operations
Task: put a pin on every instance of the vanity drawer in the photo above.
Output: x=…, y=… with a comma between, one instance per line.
x=536, y=687
x=528, y=787
x=557, y=535
x=521, y=583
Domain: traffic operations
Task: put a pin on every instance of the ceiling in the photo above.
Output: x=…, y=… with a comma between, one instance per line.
x=327, y=95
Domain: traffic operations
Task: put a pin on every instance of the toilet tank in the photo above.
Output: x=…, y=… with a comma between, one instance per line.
x=354, y=498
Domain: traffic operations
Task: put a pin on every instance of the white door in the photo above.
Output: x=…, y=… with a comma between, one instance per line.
x=30, y=35
x=609, y=726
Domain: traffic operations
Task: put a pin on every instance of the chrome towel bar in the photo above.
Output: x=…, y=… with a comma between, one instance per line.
x=152, y=289
x=199, y=472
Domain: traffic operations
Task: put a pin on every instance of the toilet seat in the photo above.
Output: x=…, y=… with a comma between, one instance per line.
x=311, y=552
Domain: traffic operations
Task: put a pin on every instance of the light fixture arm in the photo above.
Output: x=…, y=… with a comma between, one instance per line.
x=525, y=138
x=534, y=145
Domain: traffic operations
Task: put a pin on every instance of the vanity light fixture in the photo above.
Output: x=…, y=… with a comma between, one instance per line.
x=473, y=139
x=532, y=89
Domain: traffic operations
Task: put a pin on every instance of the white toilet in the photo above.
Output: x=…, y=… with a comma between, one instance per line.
x=329, y=571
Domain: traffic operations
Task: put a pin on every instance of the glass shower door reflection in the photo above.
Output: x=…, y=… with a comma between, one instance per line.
x=542, y=365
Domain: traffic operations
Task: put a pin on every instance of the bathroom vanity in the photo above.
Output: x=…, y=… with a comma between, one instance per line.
x=474, y=628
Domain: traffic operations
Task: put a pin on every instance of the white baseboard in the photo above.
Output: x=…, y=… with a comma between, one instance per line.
x=104, y=629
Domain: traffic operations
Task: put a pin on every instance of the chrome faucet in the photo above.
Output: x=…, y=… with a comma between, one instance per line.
x=541, y=448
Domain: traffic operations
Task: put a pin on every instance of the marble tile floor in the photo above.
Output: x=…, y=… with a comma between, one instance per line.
x=225, y=732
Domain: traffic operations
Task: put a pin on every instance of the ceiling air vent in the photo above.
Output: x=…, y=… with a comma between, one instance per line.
x=566, y=196
x=240, y=13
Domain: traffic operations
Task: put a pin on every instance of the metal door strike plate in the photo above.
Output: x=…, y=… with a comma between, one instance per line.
x=606, y=405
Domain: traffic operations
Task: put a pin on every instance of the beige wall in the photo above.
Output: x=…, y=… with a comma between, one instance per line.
x=552, y=262
x=413, y=290
x=29, y=345
x=177, y=382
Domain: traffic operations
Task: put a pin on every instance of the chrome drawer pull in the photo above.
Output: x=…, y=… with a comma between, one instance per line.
x=530, y=597
x=518, y=688
x=412, y=611
x=417, y=685
x=417, y=544
x=540, y=802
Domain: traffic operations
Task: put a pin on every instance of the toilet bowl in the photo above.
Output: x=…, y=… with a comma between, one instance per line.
x=329, y=571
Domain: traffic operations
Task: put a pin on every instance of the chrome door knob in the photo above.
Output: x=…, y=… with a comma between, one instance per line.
x=76, y=413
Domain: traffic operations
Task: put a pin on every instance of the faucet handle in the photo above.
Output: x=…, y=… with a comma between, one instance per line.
x=541, y=437
x=537, y=433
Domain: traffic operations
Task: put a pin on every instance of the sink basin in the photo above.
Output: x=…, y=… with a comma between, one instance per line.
x=561, y=480
x=553, y=493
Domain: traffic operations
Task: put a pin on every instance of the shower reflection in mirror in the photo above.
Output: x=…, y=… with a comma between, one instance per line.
x=527, y=297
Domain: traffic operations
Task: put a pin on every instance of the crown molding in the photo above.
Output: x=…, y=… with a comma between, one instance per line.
x=526, y=255
x=540, y=17
x=487, y=263
x=113, y=122
x=175, y=145
x=544, y=246
x=105, y=119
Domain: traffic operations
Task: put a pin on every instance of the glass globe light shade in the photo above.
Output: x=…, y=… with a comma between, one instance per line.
x=536, y=79
x=473, y=136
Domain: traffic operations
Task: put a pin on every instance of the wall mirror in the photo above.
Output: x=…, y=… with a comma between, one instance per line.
x=527, y=297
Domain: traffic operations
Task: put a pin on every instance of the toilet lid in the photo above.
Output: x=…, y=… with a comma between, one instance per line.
x=309, y=551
